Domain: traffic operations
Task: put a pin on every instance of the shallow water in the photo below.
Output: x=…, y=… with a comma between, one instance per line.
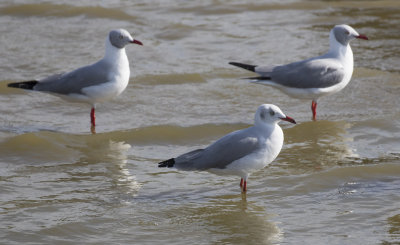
x=336, y=181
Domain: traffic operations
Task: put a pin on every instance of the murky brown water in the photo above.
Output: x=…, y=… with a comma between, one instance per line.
x=336, y=181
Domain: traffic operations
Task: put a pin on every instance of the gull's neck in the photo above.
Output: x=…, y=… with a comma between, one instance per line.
x=266, y=127
x=339, y=51
x=114, y=55
x=344, y=55
x=271, y=137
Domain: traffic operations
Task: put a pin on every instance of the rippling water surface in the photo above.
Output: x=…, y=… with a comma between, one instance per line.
x=336, y=181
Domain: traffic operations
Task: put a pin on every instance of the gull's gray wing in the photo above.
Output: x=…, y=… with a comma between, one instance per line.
x=311, y=73
x=224, y=151
x=75, y=81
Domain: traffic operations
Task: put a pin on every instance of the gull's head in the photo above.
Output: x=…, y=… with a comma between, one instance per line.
x=270, y=114
x=343, y=34
x=119, y=38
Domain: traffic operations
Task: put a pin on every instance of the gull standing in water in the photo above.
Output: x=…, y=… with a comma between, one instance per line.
x=314, y=77
x=94, y=83
x=241, y=152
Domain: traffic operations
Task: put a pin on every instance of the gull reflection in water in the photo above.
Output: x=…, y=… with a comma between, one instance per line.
x=317, y=145
x=124, y=179
x=238, y=221
x=109, y=158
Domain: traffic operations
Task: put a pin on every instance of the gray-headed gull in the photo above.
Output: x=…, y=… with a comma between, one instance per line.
x=314, y=77
x=94, y=83
x=241, y=152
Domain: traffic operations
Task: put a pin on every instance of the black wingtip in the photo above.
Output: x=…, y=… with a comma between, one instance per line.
x=244, y=66
x=167, y=163
x=258, y=78
x=24, y=85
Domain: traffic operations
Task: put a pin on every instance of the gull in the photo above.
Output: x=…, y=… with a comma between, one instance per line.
x=94, y=83
x=241, y=152
x=313, y=77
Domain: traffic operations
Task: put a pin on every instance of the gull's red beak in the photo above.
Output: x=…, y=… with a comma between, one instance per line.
x=361, y=36
x=288, y=119
x=137, y=42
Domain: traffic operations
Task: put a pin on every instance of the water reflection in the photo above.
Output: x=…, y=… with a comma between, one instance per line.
x=316, y=145
x=124, y=178
x=112, y=155
x=65, y=191
x=221, y=219
x=202, y=213
x=238, y=221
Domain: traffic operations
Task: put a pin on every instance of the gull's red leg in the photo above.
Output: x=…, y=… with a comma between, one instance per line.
x=92, y=117
x=314, y=109
x=241, y=182
x=244, y=186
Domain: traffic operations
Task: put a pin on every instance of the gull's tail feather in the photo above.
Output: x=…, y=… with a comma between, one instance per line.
x=167, y=163
x=244, y=66
x=257, y=78
x=24, y=85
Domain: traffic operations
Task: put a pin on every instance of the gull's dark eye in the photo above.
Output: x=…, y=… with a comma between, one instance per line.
x=272, y=113
x=347, y=32
x=121, y=37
